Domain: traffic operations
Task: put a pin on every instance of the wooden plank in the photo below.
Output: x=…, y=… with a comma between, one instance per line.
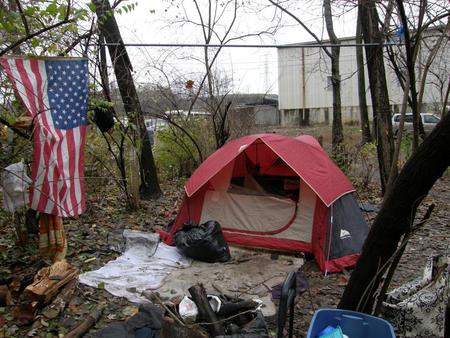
x=49, y=281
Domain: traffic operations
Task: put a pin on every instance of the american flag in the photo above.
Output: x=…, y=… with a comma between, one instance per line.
x=54, y=91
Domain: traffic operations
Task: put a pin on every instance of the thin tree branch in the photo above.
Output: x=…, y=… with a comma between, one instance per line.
x=23, y=17
x=16, y=130
x=30, y=36
x=301, y=24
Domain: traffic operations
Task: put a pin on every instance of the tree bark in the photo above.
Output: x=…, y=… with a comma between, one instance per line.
x=205, y=311
x=337, y=130
x=378, y=89
x=60, y=302
x=364, y=114
x=122, y=68
x=411, y=53
x=396, y=216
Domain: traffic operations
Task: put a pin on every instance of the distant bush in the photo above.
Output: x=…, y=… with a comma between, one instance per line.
x=175, y=154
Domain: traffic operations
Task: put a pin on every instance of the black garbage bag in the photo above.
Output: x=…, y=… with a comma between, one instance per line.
x=204, y=242
x=104, y=118
x=255, y=328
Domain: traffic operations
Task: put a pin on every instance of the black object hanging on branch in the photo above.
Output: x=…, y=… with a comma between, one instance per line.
x=104, y=118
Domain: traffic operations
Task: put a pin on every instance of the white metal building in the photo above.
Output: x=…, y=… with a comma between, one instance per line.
x=305, y=82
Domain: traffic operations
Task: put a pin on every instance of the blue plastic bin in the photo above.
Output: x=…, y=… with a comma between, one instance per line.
x=353, y=324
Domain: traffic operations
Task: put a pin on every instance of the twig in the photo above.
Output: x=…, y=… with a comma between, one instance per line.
x=32, y=35
x=154, y=297
x=395, y=262
x=382, y=269
x=258, y=284
x=16, y=130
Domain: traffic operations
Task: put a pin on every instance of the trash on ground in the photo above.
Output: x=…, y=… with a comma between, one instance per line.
x=302, y=286
x=188, y=310
x=250, y=275
x=240, y=319
x=204, y=242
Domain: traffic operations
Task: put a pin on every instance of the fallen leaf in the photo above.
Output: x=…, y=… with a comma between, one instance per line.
x=50, y=313
x=24, y=313
x=90, y=260
x=342, y=280
x=130, y=311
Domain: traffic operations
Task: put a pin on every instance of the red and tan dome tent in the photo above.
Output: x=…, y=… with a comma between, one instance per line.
x=277, y=192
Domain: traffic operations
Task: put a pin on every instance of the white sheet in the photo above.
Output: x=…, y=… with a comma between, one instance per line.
x=138, y=269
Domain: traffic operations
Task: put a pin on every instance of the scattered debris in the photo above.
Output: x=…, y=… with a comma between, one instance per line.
x=250, y=270
x=86, y=324
x=233, y=316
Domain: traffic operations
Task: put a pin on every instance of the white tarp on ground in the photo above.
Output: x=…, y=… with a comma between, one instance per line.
x=140, y=268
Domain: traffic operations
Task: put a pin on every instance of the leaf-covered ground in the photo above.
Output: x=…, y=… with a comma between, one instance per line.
x=106, y=216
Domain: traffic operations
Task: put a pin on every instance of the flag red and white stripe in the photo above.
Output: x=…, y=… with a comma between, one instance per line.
x=54, y=92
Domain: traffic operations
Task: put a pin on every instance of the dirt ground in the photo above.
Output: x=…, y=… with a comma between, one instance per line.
x=89, y=250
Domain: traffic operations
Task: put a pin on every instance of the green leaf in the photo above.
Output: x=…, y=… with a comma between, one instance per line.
x=29, y=11
x=101, y=285
x=92, y=7
x=35, y=42
x=52, y=9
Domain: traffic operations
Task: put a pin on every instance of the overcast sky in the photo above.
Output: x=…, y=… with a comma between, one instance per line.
x=251, y=70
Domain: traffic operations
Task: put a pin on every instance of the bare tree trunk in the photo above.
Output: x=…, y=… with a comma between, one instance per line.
x=431, y=56
x=378, y=89
x=364, y=114
x=337, y=131
x=396, y=216
x=122, y=68
x=411, y=53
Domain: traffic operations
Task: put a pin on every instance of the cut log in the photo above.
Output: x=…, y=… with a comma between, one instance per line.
x=86, y=324
x=5, y=296
x=48, y=281
x=205, y=311
x=231, y=309
x=59, y=303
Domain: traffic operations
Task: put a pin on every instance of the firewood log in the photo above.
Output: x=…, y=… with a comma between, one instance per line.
x=205, y=311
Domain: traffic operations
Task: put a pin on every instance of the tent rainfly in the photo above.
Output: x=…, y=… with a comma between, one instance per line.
x=277, y=192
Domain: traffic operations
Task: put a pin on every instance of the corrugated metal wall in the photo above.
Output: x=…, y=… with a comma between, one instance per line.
x=316, y=68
